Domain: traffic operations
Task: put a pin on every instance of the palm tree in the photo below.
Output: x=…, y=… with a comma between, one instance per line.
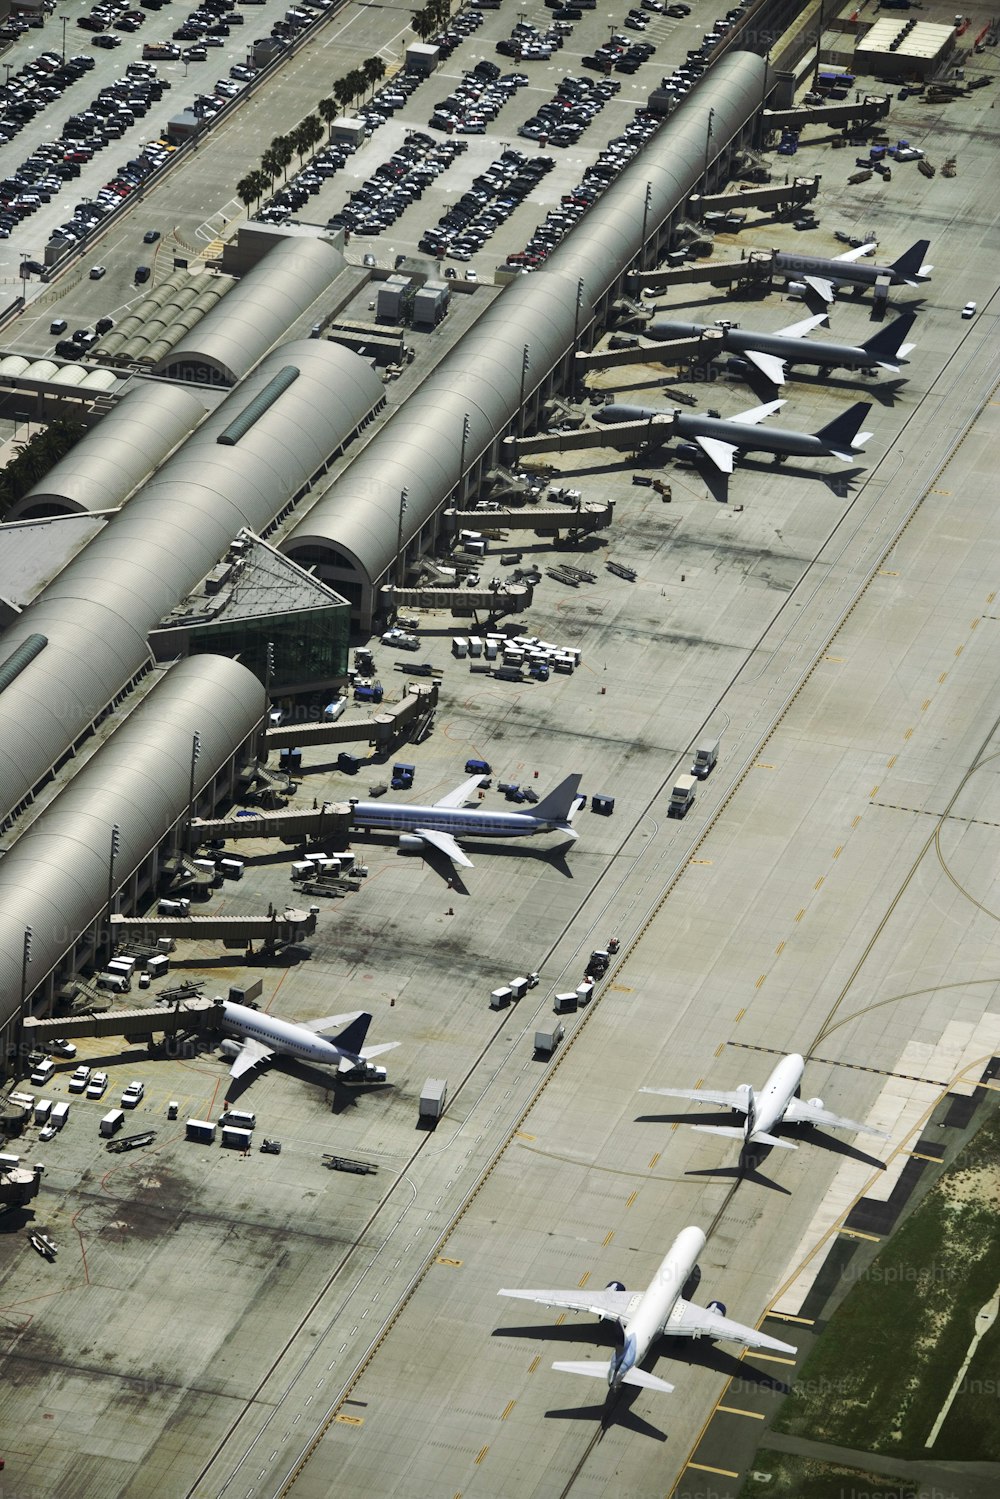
x=342, y=92
x=328, y=110
x=246, y=189
x=356, y=82
x=270, y=165
x=283, y=152
x=261, y=182
x=424, y=24
x=307, y=133
x=373, y=69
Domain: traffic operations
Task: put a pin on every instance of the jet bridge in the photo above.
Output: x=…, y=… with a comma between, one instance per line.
x=134, y=1025
x=590, y=516
x=273, y=930
x=697, y=350
x=863, y=111
x=782, y=195
x=630, y=436
x=379, y=730
x=753, y=269
x=330, y=821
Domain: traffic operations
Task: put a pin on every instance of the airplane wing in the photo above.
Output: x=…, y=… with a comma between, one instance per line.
x=329, y=1022
x=756, y=413
x=770, y=366
x=721, y=453
x=689, y=1320
x=445, y=844
x=704, y=1095
x=461, y=794
x=368, y=1052
x=858, y=251
x=251, y=1054
x=799, y=330
x=822, y=286
x=801, y=1112
x=612, y=1305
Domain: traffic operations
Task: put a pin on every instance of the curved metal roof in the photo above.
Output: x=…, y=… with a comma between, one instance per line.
x=118, y=453
x=420, y=448
x=98, y=612
x=260, y=308
x=55, y=878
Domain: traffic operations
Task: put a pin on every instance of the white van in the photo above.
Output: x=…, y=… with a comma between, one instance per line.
x=118, y=983
x=238, y=1119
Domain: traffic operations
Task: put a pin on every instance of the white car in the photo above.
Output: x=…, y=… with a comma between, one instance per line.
x=132, y=1095
x=969, y=310
x=63, y=1048
x=49, y=1132
x=97, y=271
x=80, y=1079
x=98, y=1085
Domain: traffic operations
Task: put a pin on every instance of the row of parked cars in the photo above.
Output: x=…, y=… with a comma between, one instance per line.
x=530, y=43
x=396, y=183
x=597, y=178
x=35, y=85
x=619, y=55
x=476, y=100
x=562, y=119
x=491, y=199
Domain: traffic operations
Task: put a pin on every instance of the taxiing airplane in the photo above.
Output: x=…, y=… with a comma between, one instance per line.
x=770, y=353
x=775, y=1104
x=644, y=1316
x=442, y=824
x=264, y=1036
x=818, y=274
x=721, y=438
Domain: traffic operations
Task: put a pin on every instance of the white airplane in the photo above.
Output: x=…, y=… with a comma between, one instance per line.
x=263, y=1036
x=644, y=1316
x=442, y=824
x=775, y=1104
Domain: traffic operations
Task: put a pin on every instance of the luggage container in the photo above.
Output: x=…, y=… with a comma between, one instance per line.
x=433, y=1098
x=518, y=987
x=491, y=649
x=236, y=1139
x=202, y=1130
x=584, y=992
x=547, y=1040
x=60, y=1113
x=565, y=1004
x=231, y=869
x=8, y=1162
x=459, y=647
x=602, y=804
x=112, y=1122
x=303, y=869
x=43, y=1110
x=157, y=965
x=475, y=645
x=500, y=999
x=121, y=965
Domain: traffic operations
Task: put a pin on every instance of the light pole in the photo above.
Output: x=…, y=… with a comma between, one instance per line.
x=115, y=846
x=708, y=144
x=466, y=429
x=64, y=20
x=525, y=366
x=645, y=220
x=195, y=753
x=400, y=571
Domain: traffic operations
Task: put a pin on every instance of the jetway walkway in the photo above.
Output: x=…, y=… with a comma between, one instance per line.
x=591, y=516
x=673, y=351
x=380, y=730
x=754, y=268
x=313, y=825
x=783, y=195
x=135, y=1025
x=512, y=598
x=273, y=930
x=626, y=435
x=864, y=111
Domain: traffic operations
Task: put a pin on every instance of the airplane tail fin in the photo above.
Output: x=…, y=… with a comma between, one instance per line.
x=599, y=1371
x=887, y=346
x=910, y=267
x=843, y=435
x=352, y=1038
x=733, y=1132
x=558, y=806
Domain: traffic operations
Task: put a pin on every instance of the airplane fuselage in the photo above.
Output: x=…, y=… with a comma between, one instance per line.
x=652, y=1312
x=791, y=350
x=846, y=272
x=770, y=1103
x=397, y=817
x=280, y=1035
x=750, y=438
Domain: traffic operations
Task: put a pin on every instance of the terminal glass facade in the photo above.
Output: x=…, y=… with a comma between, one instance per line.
x=310, y=646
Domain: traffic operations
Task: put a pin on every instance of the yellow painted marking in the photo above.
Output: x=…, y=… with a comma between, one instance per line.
x=989, y=1084
x=873, y=791
x=856, y=821
x=991, y=596
x=772, y=1358
x=607, y=1238
x=887, y=572
x=534, y=1363
x=959, y=650
x=630, y=1200
x=521, y=1135
x=583, y=1279
x=723, y=1472
x=441, y=1260
x=974, y=624
x=890, y=762
x=925, y=705
x=800, y=913
x=935, y=1160
x=760, y=980
x=833, y=658
x=622, y=988
x=740, y=1014
x=762, y=765
x=948, y=491
x=733, y=1410
x=819, y=882
x=482, y=1453
x=838, y=851
x=787, y=1317
x=350, y=1420
x=701, y=1079
x=853, y=1233
x=653, y=1160
x=908, y=734
x=562, y=1315
x=942, y=676
x=507, y=1409
x=720, y=1048
x=701, y=861
x=780, y=948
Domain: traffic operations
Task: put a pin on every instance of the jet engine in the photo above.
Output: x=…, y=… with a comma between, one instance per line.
x=231, y=1048
x=411, y=844
x=612, y=1285
x=688, y=450
x=816, y=1103
x=737, y=366
x=718, y=1307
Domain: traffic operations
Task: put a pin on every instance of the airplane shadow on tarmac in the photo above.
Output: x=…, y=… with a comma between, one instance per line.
x=452, y=875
